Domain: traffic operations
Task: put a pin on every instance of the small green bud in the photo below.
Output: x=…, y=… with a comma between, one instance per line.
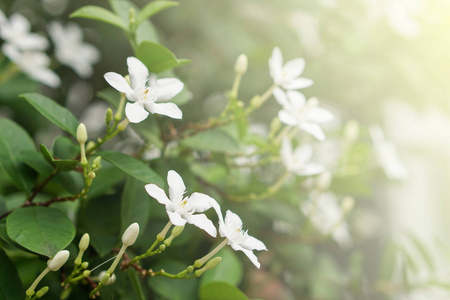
x=84, y=161
x=105, y=278
x=82, y=134
x=111, y=280
x=85, y=265
x=77, y=261
x=131, y=15
x=160, y=237
x=256, y=101
x=211, y=264
x=42, y=292
x=123, y=125
x=84, y=242
x=162, y=247
x=240, y=67
x=189, y=269
x=90, y=145
x=177, y=230
x=86, y=273
x=96, y=163
x=109, y=116
x=198, y=263
x=29, y=292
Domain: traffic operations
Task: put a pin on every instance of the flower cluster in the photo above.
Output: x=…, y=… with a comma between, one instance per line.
x=183, y=209
x=26, y=49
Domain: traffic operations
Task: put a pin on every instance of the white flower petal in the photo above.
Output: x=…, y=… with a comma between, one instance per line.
x=319, y=115
x=251, y=243
x=296, y=99
x=137, y=71
x=287, y=118
x=303, y=153
x=294, y=68
x=252, y=257
x=158, y=193
x=286, y=152
x=232, y=221
x=298, y=83
x=167, y=109
x=313, y=129
x=309, y=169
x=275, y=64
x=201, y=202
x=176, y=219
x=46, y=76
x=118, y=82
x=136, y=112
x=168, y=88
x=281, y=97
x=176, y=185
x=202, y=222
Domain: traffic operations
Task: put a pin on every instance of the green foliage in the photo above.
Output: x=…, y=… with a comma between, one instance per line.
x=158, y=58
x=135, y=204
x=220, y=291
x=217, y=140
x=10, y=284
x=54, y=112
x=132, y=167
x=34, y=229
x=14, y=140
x=230, y=269
x=99, y=14
x=152, y=9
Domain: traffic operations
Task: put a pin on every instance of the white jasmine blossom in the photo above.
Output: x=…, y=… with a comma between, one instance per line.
x=146, y=93
x=387, y=155
x=181, y=209
x=239, y=239
x=305, y=114
x=16, y=33
x=297, y=161
x=287, y=75
x=33, y=63
x=70, y=49
x=60, y=258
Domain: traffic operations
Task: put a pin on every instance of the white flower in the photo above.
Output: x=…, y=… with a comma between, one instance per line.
x=146, y=98
x=387, y=155
x=306, y=115
x=130, y=235
x=287, y=75
x=70, y=49
x=239, y=239
x=327, y=216
x=297, y=161
x=181, y=209
x=33, y=63
x=16, y=32
x=60, y=258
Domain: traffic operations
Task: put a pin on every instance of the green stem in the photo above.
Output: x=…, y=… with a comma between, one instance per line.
x=200, y=262
x=236, y=83
x=38, y=279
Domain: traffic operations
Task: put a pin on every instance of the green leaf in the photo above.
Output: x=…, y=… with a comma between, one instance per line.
x=46, y=154
x=229, y=270
x=167, y=288
x=135, y=204
x=10, y=284
x=153, y=8
x=132, y=166
x=39, y=229
x=13, y=140
x=104, y=227
x=111, y=96
x=158, y=58
x=100, y=14
x=64, y=148
x=35, y=160
x=55, y=113
x=220, y=291
x=136, y=283
x=216, y=140
x=105, y=179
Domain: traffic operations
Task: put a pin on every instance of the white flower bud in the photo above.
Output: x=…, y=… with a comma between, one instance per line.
x=82, y=134
x=130, y=235
x=111, y=280
x=240, y=67
x=84, y=242
x=55, y=263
